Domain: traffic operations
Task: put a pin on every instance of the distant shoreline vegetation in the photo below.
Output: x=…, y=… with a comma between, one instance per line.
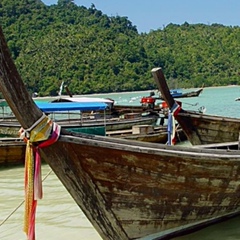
x=95, y=53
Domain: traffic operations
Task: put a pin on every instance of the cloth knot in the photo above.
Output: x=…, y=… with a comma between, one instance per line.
x=43, y=133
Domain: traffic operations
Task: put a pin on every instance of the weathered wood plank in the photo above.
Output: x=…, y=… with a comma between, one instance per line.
x=12, y=152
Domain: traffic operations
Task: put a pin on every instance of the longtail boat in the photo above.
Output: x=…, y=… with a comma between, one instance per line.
x=73, y=118
x=116, y=110
x=128, y=189
x=178, y=93
x=200, y=128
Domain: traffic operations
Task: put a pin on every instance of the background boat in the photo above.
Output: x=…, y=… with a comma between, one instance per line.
x=12, y=152
x=149, y=133
x=200, y=128
x=72, y=116
x=178, y=93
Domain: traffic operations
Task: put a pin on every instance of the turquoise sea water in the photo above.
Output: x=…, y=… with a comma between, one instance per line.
x=59, y=218
x=217, y=100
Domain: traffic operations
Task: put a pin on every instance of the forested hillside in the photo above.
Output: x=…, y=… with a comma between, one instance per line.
x=95, y=53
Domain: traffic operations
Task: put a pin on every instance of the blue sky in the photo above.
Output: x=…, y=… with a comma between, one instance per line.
x=149, y=15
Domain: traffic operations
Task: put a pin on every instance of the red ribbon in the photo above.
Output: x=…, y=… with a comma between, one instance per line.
x=37, y=190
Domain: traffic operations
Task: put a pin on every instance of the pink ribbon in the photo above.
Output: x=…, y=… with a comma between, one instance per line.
x=38, y=193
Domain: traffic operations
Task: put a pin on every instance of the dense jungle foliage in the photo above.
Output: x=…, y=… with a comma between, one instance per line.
x=95, y=53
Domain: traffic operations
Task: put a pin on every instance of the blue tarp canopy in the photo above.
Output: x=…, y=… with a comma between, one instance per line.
x=71, y=106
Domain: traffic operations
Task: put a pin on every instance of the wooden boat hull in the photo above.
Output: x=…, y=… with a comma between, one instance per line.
x=11, y=128
x=124, y=109
x=182, y=187
x=157, y=137
x=206, y=129
x=110, y=124
x=148, y=134
x=198, y=127
x=12, y=152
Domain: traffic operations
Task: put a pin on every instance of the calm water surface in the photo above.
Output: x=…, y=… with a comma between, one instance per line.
x=219, y=100
x=58, y=217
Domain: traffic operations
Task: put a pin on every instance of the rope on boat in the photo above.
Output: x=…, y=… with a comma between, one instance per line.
x=14, y=210
x=25, y=133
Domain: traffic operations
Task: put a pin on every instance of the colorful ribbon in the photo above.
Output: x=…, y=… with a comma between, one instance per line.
x=40, y=132
x=171, y=123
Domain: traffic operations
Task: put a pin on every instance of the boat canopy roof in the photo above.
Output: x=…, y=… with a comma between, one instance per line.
x=71, y=106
